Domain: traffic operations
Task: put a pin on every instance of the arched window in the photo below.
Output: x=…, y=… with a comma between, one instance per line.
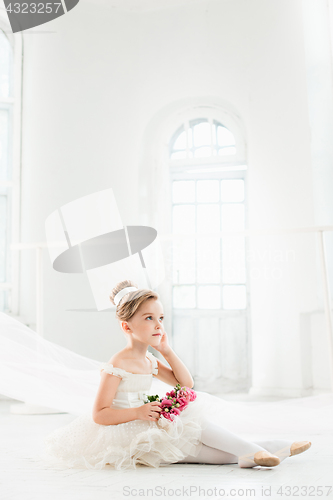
x=10, y=120
x=210, y=293
x=208, y=272
x=202, y=138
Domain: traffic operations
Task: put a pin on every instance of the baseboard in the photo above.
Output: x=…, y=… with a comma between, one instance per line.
x=287, y=393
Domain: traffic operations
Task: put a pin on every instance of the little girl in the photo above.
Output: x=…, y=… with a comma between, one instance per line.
x=123, y=431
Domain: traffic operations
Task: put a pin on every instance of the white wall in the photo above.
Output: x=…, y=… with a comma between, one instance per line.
x=93, y=87
x=318, y=26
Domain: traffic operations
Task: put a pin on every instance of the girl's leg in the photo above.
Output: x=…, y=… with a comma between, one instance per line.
x=216, y=436
x=208, y=455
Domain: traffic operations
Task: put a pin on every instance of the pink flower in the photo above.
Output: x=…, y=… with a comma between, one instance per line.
x=182, y=393
x=166, y=402
x=192, y=395
x=182, y=403
x=168, y=416
x=176, y=401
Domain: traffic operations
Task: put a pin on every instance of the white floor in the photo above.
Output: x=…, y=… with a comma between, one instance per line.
x=309, y=475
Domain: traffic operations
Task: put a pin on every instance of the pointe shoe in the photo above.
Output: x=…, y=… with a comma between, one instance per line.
x=265, y=458
x=298, y=447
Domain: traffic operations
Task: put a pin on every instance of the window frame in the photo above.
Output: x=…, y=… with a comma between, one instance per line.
x=224, y=167
x=178, y=173
x=213, y=167
x=186, y=127
x=15, y=153
x=226, y=119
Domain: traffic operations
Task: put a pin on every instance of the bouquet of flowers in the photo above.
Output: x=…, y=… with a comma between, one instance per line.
x=174, y=401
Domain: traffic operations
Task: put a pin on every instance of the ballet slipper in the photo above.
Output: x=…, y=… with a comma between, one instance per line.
x=246, y=462
x=298, y=447
x=265, y=458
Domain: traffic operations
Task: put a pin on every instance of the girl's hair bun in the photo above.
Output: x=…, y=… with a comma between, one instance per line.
x=130, y=303
x=119, y=286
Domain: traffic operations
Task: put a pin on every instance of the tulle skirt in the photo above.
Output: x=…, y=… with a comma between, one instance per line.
x=85, y=444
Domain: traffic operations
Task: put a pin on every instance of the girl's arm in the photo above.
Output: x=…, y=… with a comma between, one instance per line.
x=102, y=413
x=179, y=374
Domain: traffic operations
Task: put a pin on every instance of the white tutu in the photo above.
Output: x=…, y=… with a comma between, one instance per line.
x=83, y=443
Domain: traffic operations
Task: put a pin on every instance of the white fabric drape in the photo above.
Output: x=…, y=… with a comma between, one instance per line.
x=41, y=372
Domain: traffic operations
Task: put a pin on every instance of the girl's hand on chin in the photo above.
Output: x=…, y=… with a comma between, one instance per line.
x=163, y=347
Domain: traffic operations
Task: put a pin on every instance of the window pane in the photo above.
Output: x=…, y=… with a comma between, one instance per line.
x=5, y=66
x=183, y=219
x=183, y=264
x=190, y=138
x=233, y=259
x=215, y=127
x=209, y=297
x=208, y=218
x=234, y=297
x=227, y=151
x=232, y=217
x=4, y=171
x=208, y=260
x=3, y=229
x=225, y=137
x=208, y=190
x=201, y=134
x=203, y=152
x=184, y=297
x=232, y=190
x=5, y=298
x=183, y=191
x=180, y=142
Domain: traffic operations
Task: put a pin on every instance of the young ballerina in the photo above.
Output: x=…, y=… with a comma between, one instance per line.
x=123, y=431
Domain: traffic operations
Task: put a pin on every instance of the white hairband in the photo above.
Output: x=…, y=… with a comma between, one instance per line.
x=117, y=298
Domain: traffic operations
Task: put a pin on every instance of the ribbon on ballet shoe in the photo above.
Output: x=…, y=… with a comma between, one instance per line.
x=246, y=461
x=283, y=453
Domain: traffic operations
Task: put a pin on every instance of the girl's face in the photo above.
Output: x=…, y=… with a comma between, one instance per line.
x=147, y=323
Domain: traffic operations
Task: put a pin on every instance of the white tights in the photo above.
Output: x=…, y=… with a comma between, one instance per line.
x=220, y=446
